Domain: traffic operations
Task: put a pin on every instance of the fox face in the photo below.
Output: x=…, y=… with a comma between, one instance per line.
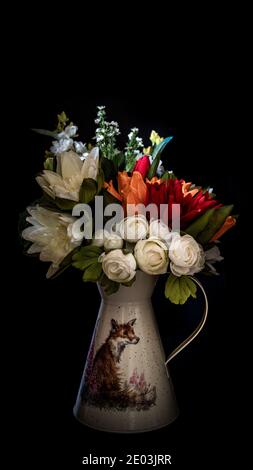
x=121, y=335
x=124, y=332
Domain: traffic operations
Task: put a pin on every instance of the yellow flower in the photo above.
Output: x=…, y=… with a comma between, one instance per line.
x=155, y=138
x=147, y=150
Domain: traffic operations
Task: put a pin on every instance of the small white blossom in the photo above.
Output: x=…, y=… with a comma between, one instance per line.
x=69, y=131
x=139, y=141
x=60, y=146
x=81, y=149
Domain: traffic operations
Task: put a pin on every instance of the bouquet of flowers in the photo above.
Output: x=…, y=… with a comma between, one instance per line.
x=111, y=212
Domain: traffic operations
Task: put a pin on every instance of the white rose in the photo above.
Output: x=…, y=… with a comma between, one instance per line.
x=152, y=256
x=186, y=256
x=113, y=242
x=117, y=266
x=158, y=229
x=99, y=237
x=133, y=228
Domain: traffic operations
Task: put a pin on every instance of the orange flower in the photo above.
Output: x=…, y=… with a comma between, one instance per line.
x=132, y=189
x=110, y=188
x=229, y=223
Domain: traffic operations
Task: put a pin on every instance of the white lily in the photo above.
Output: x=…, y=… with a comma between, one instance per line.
x=51, y=235
x=66, y=182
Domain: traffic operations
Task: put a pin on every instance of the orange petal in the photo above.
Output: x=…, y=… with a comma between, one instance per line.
x=138, y=191
x=186, y=189
x=123, y=182
x=154, y=180
x=229, y=223
x=110, y=188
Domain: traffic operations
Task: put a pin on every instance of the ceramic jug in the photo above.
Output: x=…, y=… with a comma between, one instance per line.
x=126, y=386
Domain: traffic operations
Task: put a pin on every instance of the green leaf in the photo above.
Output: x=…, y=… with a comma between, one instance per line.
x=64, y=204
x=108, y=168
x=100, y=180
x=46, y=132
x=85, y=263
x=156, y=155
x=86, y=256
x=179, y=289
x=56, y=203
x=200, y=223
x=160, y=147
x=86, y=259
x=119, y=160
x=216, y=220
x=62, y=121
x=168, y=175
x=110, y=287
x=93, y=272
x=88, y=190
x=191, y=285
x=49, y=164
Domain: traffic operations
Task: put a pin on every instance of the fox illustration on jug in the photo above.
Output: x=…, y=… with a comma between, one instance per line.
x=103, y=384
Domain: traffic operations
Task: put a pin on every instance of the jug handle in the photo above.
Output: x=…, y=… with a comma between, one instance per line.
x=197, y=330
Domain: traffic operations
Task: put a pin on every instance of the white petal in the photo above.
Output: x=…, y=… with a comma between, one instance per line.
x=69, y=164
x=34, y=248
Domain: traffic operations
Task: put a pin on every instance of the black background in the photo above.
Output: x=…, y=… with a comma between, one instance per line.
x=54, y=320
x=57, y=319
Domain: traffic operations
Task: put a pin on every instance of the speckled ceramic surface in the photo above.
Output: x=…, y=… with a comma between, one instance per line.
x=126, y=386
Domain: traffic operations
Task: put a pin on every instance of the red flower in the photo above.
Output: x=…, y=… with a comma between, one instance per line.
x=157, y=189
x=172, y=191
x=142, y=165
